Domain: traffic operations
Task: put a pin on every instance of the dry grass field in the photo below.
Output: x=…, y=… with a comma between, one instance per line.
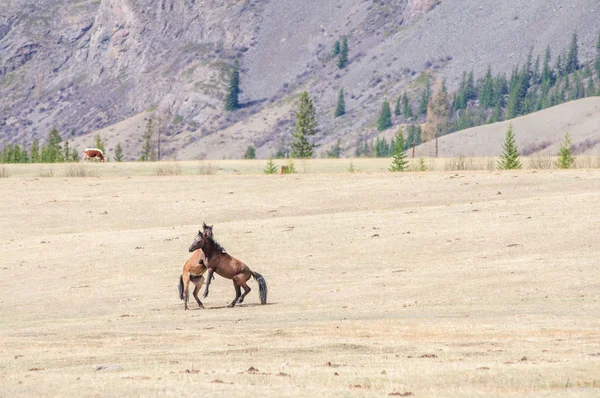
x=444, y=284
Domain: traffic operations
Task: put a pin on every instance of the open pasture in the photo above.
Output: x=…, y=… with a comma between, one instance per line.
x=436, y=284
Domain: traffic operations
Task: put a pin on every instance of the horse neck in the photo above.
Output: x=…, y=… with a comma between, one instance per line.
x=209, y=248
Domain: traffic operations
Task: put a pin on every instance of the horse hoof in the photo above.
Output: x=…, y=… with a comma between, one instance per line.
x=231, y=306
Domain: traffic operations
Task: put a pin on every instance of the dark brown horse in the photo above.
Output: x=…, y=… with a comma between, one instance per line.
x=217, y=260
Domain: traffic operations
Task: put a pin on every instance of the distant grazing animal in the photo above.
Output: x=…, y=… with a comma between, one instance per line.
x=93, y=153
x=285, y=170
x=228, y=267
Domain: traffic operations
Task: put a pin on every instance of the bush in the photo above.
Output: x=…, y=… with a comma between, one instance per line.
x=3, y=172
x=540, y=161
x=460, y=163
x=46, y=172
x=79, y=170
x=168, y=170
x=206, y=169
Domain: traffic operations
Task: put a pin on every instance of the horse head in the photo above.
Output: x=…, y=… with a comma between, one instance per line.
x=208, y=232
x=198, y=242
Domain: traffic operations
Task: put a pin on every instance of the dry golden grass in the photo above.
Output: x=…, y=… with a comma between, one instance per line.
x=438, y=283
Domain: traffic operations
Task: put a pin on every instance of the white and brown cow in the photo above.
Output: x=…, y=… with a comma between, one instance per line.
x=93, y=153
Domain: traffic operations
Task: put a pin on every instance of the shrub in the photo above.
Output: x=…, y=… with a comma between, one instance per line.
x=206, y=168
x=79, y=170
x=46, y=172
x=168, y=170
x=565, y=156
x=270, y=168
x=3, y=172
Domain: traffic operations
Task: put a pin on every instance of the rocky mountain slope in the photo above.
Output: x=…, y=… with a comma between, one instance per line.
x=107, y=66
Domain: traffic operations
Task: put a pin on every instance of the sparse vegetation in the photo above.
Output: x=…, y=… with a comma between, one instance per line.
x=460, y=163
x=46, y=172
x=342, y=61
x=80, y=170
x=206, y=168
x=351, y=167
x=4, y=171
x=168, y=169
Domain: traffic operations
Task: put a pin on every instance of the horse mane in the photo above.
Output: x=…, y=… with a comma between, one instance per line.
x=218, y=247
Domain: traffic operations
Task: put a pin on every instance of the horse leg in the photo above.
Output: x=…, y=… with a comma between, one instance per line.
x=186, y=284
x=209, y=279
x=242, y=282
x=238, y=293
x=197, y=281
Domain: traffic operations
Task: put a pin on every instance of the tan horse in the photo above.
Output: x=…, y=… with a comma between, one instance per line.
x=193, y=271
x=217, y=260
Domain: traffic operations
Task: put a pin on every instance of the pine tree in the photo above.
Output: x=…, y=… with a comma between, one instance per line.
x=66, y=152
x=572, y=63
x=291, y=166
x=425, y=97
x=399, y=162
x=510, y=157
x=421, y=165
x=343, y=57
x=351, y=167
x=270, y=168
x=148, y=147
x=536, y=77
x=336, y=48
x=486, y=94
x=16, y=154
x=98, y=143
x=565, y=156
x=397, y=109
x=547, y=69
x=306, y=126
x=119, y=152
x=340, y=108
x=406, y=107
x=250, y=153
x=232, y=102
x=281, y=150
x=75, y=155
x=51, y=151
x=35, y=151
x=385, y=117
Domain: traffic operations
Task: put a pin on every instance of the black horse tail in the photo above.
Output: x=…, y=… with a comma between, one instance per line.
x=262, y=287
x=181, y=287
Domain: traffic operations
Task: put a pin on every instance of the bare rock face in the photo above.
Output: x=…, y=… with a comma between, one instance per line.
x=82, y=66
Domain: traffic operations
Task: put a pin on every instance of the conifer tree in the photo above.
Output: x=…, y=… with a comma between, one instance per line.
x=336, y=48
x=232, y=101
x=425, y=97
x=250, y=153
x=75, y=155
x=399, y=162
x=148, y=147
x=547, y=69
x=306, y=126
x=385, y=117
x=510, y=157
x=397, y=109
x=565, y=156
x=597, y=64
x=486, y=94
x=291, y=166
x=119, y=152
x=35, y=151
x=343, y=57
x=66, y=152
x=406, y=107
x=98, y=143
x=270, y=168
x=51, y=151
x=340, y=108
x=16, y=154
x=572, y=63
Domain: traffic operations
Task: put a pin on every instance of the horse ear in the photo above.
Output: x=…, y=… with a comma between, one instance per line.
x=199, y=232
x=204, y=226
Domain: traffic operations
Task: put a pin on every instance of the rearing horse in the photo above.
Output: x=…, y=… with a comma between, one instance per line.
x=228, y=267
